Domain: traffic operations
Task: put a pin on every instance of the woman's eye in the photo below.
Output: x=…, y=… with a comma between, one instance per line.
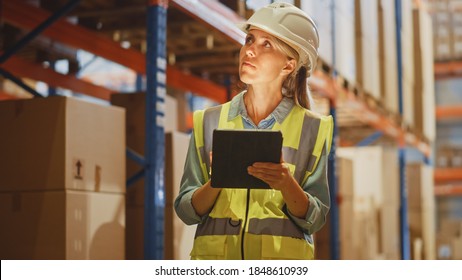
x=267, y=44
x=248, y=40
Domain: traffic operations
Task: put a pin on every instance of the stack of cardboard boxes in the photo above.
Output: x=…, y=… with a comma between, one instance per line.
x=447, y=26
x=449, y=240
x=368, y=201
x=367, y=46
x=421, y=210
x=62, y=180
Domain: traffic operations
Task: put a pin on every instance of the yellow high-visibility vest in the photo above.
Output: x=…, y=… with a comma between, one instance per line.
x=253, y=223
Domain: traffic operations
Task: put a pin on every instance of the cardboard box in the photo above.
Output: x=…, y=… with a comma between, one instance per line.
x=408, y=102
x=62, y=224
x=389, y=219
x=59, y=143
x=321, y=13
x=421, y=206
x=420, y=186
x=388, y=55
x=381, y=182
x=367, y=46
x=369, y=220
x=424, y=92
x=407, y=41
x=345, y=60
x=422, y=226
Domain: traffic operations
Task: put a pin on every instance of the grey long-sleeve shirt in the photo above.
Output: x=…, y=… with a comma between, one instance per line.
x=316, y=187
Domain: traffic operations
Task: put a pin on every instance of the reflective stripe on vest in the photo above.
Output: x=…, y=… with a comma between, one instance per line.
x=219, y=226
x=268, y=226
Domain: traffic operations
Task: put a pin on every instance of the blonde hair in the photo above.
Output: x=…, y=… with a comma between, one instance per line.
x=295, y=84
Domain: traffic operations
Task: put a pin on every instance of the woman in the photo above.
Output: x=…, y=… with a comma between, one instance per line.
x=279, y=53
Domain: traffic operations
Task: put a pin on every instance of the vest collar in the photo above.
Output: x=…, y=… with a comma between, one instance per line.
x=237, y=108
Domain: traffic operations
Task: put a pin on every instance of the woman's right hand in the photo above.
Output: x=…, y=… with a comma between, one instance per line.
x=204, y=197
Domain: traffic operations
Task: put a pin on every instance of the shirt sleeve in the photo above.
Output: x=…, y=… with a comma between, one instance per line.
x=192, y=180
x=317, y=189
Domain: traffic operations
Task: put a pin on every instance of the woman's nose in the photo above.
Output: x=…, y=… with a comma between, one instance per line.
x=250, y=51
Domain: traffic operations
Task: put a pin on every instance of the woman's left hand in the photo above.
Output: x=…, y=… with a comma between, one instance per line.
x=276, y=175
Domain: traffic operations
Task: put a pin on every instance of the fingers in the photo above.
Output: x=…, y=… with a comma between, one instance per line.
x=267, y=165
x=271, y=167
x=264, y=174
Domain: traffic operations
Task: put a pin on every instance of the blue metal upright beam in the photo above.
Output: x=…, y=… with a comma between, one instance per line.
x=156, y=65
x=404, y=226
x=333, y=191
x=332, y=174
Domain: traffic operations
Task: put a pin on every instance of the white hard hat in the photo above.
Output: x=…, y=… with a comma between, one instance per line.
x=291, y=25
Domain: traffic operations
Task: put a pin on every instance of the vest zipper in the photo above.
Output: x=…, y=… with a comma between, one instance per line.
x=245, y=224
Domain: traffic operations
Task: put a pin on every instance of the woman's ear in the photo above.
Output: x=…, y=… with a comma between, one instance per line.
x=289, y=67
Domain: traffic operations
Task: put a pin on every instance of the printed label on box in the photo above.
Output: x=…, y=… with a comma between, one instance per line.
x=78, y=167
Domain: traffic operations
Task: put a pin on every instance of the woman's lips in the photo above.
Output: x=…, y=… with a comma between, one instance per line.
x=245, y=63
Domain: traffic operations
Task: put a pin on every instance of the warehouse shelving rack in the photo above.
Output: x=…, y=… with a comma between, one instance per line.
x=159, y=74
x=448, y=69
x=444, y=177
x=153, y=65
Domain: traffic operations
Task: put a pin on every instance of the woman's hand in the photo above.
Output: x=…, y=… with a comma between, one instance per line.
x=204, y=197
x=276, y=175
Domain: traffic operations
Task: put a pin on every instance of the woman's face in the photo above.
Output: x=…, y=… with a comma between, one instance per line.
x=261, y=61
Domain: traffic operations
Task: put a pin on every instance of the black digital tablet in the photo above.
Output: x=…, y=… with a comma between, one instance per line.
x=235, y=150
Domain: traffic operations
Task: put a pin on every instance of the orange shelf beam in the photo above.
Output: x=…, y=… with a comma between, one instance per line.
x=445, y=112
x=23, y=68
x=448, y=190
x=6, y=96
x=448, y=69
x=26, y=16
x=442, y=175
x=324, y=84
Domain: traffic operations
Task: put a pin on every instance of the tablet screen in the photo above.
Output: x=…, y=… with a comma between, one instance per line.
x=235, y=150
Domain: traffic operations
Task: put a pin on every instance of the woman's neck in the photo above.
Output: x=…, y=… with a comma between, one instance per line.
x=260, y=103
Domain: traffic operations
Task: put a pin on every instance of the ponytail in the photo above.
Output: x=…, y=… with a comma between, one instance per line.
x=295, y=86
